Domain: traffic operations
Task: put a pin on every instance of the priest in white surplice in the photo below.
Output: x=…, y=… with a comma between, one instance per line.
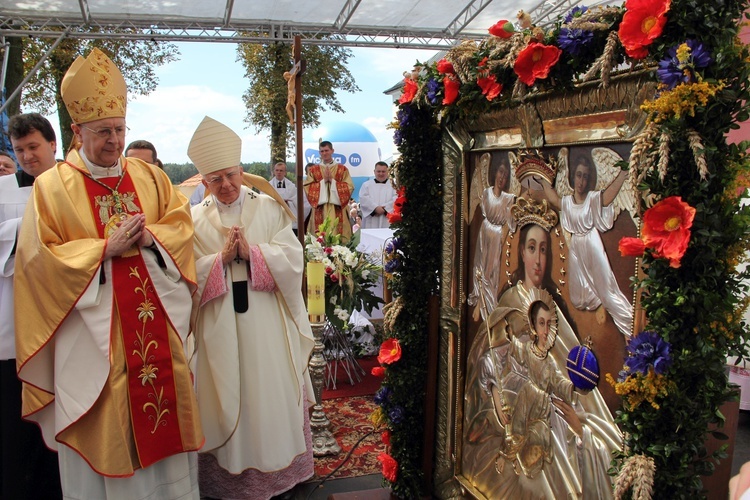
x=376, y=198
x=30, y=469
x=253, y=337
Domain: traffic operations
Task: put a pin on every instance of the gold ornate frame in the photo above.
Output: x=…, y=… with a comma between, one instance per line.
x=589, y=114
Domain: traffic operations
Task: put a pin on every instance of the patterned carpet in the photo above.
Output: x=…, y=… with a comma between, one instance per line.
x=350, y=421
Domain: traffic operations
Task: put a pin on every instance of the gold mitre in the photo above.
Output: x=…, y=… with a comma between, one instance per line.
x=93, y=89
x=533, y=164
x=214, y=146
x=526, y=211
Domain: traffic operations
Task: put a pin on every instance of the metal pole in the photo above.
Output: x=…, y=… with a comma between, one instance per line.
x=34, y=70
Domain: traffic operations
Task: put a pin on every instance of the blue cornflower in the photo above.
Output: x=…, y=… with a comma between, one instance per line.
x=573, y=41
x=681, y=63
x=403, y=115
x=396, y=414
x=393, y=245
x=433, y=87
x=392, y=266
x=397, y=137
x=647, y=350
x=383, y=395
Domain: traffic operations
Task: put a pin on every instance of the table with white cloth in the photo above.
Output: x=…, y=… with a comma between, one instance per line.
x=372, y=241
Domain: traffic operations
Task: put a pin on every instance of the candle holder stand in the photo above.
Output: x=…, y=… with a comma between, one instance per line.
x=323, y=441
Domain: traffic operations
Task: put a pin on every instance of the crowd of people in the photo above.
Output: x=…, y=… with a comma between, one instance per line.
x=170, y=359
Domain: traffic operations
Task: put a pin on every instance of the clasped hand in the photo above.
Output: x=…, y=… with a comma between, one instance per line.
x=129, y=232
x=327, y=175
x=235, y=246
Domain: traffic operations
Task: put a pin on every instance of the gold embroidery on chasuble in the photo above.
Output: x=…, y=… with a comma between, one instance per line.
x=152, y=393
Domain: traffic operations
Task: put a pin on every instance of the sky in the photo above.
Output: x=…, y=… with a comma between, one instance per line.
x=207, y=80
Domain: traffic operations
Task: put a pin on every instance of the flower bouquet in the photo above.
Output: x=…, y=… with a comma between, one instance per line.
x=349, y=273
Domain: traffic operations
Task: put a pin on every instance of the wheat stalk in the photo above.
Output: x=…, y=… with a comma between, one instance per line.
x=637, y=473
x=641, y=162
x=696, y=145
x=664, y=141
x=390, y=313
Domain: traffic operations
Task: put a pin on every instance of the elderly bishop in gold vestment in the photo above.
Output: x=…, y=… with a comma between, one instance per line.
x=104, y=274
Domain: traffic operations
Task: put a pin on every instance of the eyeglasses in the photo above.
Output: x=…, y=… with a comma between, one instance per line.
x=106, y=133
x=217, y=180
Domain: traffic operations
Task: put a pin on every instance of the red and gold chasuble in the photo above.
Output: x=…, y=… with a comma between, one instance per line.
x=320, y=212
x=143, y=320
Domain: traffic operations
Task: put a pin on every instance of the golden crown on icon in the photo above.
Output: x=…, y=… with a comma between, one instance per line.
x=531, y=163
x=526, y=211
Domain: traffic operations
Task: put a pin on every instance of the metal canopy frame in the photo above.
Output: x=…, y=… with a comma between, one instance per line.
x=126, y=20
x=132, y=20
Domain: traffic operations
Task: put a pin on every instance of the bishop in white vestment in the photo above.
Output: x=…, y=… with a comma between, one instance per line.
x=253, y=337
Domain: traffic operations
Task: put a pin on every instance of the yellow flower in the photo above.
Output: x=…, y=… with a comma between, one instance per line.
x=638, y=388
x=681, y=100
x=683, y=53
x=378, y=417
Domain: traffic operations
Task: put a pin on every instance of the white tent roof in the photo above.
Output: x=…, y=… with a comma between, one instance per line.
x=434, y=24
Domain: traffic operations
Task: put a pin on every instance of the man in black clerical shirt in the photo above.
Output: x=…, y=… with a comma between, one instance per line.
x=286, y=189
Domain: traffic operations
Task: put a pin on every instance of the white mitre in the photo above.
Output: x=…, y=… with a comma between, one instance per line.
x=214, y=147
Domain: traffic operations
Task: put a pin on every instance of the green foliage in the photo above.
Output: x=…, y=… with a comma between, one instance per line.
x=697, y=307
x=266, y=99
x=180, y=172
x=420, y=175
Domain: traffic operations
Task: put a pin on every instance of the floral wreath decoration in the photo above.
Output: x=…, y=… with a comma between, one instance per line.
x=693, y=234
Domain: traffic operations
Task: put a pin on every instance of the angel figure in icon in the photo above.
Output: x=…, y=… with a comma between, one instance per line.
x=494, y=189
x=589, y=198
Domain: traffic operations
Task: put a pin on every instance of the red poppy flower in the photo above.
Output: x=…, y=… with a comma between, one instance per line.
x=394, y=217
x=642, y=23
x=631, y=247
x=400, y=201
x=445, y=67
x=535, y=61
x=410, y=90
x=385, y=436
x=377, y=371
x=666, y=228
x=451, y=85
x=390, y=352
x=502, y=29
x=490, y=87
x=390, y=467
x=334, y=278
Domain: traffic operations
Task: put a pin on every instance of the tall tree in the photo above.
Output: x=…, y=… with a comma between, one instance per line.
x=266, y=98
x=135, y=59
